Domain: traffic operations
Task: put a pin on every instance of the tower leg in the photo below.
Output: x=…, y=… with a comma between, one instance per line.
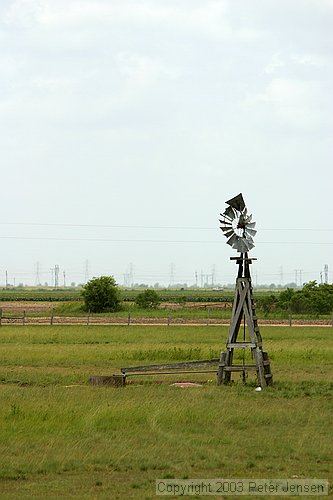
x=260, y=367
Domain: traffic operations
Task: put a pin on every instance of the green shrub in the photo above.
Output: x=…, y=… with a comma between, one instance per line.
x=101, y=295
x=149, y=299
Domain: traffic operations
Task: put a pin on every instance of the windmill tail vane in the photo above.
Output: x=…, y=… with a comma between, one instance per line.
x=237, y=225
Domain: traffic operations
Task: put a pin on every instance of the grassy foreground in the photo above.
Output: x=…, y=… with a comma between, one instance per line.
x=59, y=437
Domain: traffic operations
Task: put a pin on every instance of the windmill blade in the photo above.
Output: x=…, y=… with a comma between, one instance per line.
x=231, y=241
x=242, y=245
x=251, y=245
x=226, y=228
x=250, y=241
x=229, y=212
x=250, y=232
x=226, y=222
x=229, y=233
x=251, y=225
x=237, y=202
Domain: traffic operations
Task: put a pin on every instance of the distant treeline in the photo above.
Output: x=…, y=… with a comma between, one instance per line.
x=128, y=295
x=312, y=298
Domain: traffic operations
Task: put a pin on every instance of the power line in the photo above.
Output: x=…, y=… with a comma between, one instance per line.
x=113, y=226
x=116, y=240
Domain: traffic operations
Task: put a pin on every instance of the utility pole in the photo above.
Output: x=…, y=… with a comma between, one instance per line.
x=64, y=275
x=196, y=279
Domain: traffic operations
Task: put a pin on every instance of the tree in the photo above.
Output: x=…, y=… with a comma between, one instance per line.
x=148, y=299
x=267, y=303
x=314, y=298
x=285, y=298
x=101, y=295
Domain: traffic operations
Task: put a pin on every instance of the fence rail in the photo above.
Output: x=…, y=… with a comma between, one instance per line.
x=90, y=320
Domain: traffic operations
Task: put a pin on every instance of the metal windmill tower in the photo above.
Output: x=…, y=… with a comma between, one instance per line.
x=238, y=227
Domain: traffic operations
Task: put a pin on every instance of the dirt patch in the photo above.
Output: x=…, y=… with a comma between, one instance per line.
x=26, y=306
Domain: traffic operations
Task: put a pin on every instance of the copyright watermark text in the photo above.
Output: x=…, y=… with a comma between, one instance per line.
x=238, y=487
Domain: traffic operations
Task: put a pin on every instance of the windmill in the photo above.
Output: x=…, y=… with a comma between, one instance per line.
x=238, y=227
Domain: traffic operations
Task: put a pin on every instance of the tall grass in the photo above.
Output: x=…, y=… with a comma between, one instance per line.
x=61, y=437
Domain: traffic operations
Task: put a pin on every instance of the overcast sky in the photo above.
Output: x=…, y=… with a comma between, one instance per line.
x=144, y=117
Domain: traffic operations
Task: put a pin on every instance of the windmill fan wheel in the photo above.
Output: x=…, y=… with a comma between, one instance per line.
x=237, y=225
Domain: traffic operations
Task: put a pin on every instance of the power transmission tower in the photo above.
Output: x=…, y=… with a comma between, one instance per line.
x=6, y=279
x=326, y=273
x=298, y=273
x=64, y=275
x=281, y=275
x=300, y=277
x=86, y=271
x=52, y=273
x=213, y=274
x=131, y=274
x=126, y=279
x=56, y=276
x=37, y=276
x=172, y=274
x=196, y=279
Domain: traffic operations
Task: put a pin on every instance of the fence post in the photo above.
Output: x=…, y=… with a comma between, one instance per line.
x=23, y=319
x=88, y=319
x=1, y=317
x=51, y=319
x=208, y=316
x=290, y=316
x=129, y=319
x=169, y=320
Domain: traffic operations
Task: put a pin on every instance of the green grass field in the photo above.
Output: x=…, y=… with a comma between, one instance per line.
x=60, y=437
